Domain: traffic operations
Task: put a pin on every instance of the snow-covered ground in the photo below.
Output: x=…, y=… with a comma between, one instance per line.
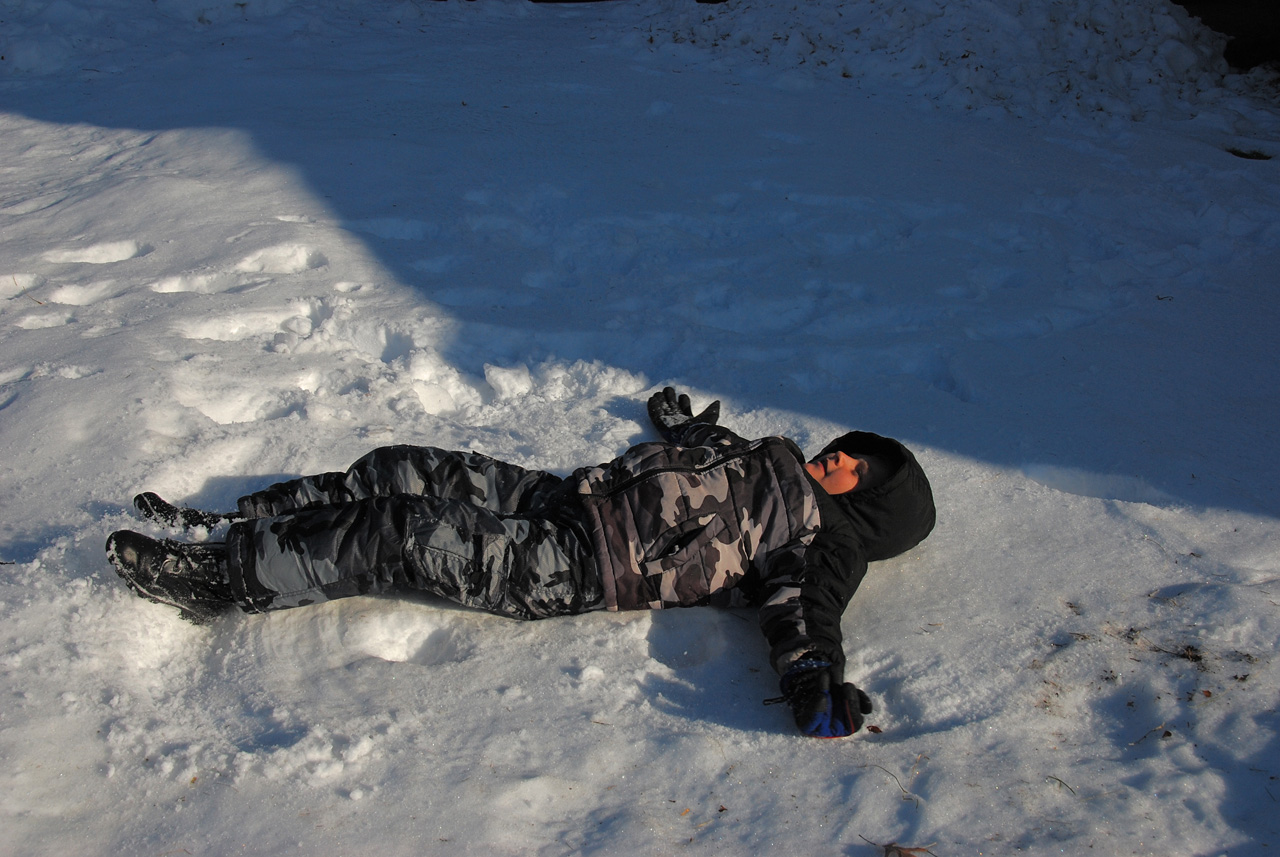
x=246, y=240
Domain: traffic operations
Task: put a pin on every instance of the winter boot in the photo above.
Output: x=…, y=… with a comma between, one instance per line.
x=192, y=578
x=156, y=508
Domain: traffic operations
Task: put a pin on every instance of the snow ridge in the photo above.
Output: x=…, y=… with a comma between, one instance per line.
x=1108, y=57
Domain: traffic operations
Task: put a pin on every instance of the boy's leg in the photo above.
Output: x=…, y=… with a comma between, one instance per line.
x=153, y=506
x=527, y=568
x=421, y=470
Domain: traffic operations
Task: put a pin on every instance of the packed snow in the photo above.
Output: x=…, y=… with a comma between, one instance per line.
x=1038, y=242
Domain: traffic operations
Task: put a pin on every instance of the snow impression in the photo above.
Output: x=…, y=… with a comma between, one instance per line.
x=244, y=241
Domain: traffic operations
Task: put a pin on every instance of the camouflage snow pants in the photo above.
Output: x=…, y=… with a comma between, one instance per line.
x=466, y=527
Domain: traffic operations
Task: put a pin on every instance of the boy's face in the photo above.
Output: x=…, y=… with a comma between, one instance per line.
x=840, y=472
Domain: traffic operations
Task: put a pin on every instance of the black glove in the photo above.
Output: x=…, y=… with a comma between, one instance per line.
x=155, y=507
x=669, y=411
x=822, y=702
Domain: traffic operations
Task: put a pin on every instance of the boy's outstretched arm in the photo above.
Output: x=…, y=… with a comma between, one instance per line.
x=807, y=590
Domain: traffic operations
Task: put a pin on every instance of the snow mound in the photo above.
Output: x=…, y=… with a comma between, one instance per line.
x=1109, y=57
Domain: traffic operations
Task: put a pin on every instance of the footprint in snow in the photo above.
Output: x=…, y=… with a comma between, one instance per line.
x=98, y=254
x=12, y=285
x=239, y=326
x=204, y=284
x=84, y=295
x=43, y=320
x=282, y=259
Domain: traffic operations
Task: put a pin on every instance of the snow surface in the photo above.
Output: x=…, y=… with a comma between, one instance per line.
x=248, y=240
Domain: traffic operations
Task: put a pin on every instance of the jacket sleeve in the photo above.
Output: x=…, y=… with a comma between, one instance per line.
x=703, y=434
x=806, y=589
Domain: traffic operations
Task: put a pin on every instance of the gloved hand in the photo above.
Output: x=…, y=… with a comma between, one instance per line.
x=822, y=702
x=668, y=411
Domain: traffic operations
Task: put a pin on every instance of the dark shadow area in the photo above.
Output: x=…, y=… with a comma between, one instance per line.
x=220, y=493
x=454, y=167
x=710, y=681
x=1253, y=27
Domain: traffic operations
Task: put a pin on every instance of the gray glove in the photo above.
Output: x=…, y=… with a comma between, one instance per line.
x=670, y=412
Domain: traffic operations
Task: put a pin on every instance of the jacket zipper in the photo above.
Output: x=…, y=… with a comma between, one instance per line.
x=640, y=477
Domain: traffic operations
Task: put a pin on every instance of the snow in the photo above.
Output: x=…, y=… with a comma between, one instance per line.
x=248, y=240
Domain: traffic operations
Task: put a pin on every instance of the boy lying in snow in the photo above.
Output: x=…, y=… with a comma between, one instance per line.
x=705, y=517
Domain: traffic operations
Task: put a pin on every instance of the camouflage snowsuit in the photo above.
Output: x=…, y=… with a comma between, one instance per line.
x=461, y=525
x=717, y=520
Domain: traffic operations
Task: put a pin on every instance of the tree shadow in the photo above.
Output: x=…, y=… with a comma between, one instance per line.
x=572, y=205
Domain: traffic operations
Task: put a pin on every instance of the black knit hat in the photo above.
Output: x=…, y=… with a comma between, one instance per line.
x=898, y=513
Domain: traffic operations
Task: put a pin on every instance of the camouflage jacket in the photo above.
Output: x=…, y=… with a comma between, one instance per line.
x=722, y=520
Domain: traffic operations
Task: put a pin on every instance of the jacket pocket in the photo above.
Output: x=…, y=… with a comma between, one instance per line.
x=677, y=569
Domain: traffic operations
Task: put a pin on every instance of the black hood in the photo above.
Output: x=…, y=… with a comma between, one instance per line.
x=895, y=515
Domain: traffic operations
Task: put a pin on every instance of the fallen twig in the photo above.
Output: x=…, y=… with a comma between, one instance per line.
x=23, y=291
x=906, y=795
x=893, y=849
x=1147, y=735
x=1060, y=782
